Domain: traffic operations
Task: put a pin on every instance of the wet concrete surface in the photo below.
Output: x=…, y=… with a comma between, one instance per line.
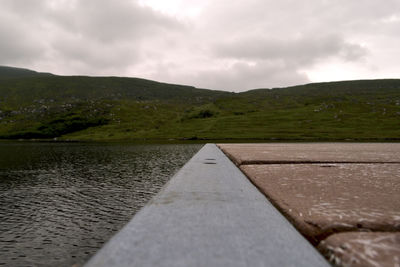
x=326, y=189
x=362, y=249
x=322, y=199
x=312, y=152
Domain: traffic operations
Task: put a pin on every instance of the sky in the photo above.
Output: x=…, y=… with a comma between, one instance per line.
x=232, y=45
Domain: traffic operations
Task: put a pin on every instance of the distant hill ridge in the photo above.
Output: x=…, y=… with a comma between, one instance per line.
x=27, y=85
x=43, y=105
x=12, y=72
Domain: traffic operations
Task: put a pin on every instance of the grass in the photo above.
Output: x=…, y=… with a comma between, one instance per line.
x=112, y=108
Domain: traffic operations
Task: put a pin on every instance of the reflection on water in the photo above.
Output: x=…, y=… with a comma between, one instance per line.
x=60, y=202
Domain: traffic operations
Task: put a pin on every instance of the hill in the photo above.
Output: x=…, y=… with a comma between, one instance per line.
x=11, y=72
x=116, y=108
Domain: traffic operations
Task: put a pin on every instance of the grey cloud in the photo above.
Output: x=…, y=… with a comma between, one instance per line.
x=24, y=8
x=299, y=51
x=232, y=44
x=110, y=35
x=111, y=21
x=353, y=52
x=287, y=17
x=241, y=76
x=89, y=56
x=16, y=46
x=91, y=36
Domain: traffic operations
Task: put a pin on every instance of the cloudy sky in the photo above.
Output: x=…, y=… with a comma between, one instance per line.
x=220, y=44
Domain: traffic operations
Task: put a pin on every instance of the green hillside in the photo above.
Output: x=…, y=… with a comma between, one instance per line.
x=114, y=108
x=11, y=72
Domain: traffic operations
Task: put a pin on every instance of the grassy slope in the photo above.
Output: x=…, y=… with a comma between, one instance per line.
x=10, y=72
x=110, y=108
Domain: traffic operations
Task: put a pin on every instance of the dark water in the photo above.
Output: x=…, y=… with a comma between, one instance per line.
x=60, y=202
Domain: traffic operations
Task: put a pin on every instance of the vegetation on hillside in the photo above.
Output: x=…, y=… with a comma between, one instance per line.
x=37, y=105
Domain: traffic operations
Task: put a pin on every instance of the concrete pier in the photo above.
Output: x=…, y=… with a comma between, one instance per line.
x=209, y=214
x=344, y=197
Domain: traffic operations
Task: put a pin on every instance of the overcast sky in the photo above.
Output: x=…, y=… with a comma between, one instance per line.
x=231, y=45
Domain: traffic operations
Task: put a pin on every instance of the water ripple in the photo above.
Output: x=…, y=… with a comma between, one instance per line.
x=60, y=202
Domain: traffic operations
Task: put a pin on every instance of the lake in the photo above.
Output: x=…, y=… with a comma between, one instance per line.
x=60, y=202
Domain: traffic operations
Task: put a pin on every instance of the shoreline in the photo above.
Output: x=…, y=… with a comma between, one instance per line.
x=206, y=140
